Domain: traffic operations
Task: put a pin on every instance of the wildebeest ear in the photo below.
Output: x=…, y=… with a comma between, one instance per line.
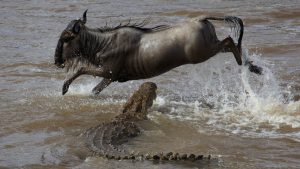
x=76, y=28
x=84, y=17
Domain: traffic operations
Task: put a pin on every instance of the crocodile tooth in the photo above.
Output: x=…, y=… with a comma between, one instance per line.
x=161, y=154
x=141, y=157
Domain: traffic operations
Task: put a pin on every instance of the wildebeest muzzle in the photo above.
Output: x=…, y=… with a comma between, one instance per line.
x=65, y=37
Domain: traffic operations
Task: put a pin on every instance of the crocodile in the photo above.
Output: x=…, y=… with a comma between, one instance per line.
x=107, y=139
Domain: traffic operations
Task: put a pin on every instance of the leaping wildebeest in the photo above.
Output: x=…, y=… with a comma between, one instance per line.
x=132, y=51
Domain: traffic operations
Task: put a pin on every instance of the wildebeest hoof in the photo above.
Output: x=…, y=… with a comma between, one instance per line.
x=255, y=69
x=65, y=88
x=95, y=91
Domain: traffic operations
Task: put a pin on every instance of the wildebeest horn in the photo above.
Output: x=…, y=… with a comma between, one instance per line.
x=84, y=17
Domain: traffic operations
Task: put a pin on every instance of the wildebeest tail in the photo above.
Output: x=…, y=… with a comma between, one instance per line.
x=237, y=24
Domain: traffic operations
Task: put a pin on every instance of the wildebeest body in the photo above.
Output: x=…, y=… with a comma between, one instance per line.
x=162, y=51
x=131, y=52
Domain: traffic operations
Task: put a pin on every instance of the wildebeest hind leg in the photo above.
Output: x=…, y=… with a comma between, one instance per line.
x=102, y=85
x=81, y=71
x=227, y=45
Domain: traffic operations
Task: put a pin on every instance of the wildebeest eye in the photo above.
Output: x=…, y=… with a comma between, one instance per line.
x=76, y=28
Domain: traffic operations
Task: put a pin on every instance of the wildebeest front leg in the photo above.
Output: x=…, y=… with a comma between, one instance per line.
x=102, y=85
x=81, y=71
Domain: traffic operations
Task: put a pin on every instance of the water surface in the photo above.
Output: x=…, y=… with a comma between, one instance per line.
x=218, y=108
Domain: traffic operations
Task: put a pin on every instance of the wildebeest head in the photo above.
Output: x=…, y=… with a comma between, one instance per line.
x=68, y=43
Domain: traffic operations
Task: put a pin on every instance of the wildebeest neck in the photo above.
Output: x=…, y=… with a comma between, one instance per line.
x=94, y=45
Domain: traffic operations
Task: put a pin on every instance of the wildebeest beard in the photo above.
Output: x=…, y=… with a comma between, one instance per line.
x=77, y=60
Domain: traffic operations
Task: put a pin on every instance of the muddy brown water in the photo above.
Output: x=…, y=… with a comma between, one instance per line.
x=216, y=107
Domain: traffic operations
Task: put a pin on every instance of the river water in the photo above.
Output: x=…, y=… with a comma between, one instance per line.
x=216, y=107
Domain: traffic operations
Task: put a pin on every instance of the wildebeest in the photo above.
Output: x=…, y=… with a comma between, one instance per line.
x=131, y=51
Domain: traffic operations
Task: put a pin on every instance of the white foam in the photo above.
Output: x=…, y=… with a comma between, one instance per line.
x=160, y=101
x=229, y=98
x=82, y=88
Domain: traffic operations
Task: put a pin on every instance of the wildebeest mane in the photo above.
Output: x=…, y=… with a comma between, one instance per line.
x=137, y=25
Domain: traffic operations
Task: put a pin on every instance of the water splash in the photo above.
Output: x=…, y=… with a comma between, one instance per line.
x=221, y=96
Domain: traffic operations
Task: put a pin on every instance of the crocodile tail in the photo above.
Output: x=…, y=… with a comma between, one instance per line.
x=159, y=157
